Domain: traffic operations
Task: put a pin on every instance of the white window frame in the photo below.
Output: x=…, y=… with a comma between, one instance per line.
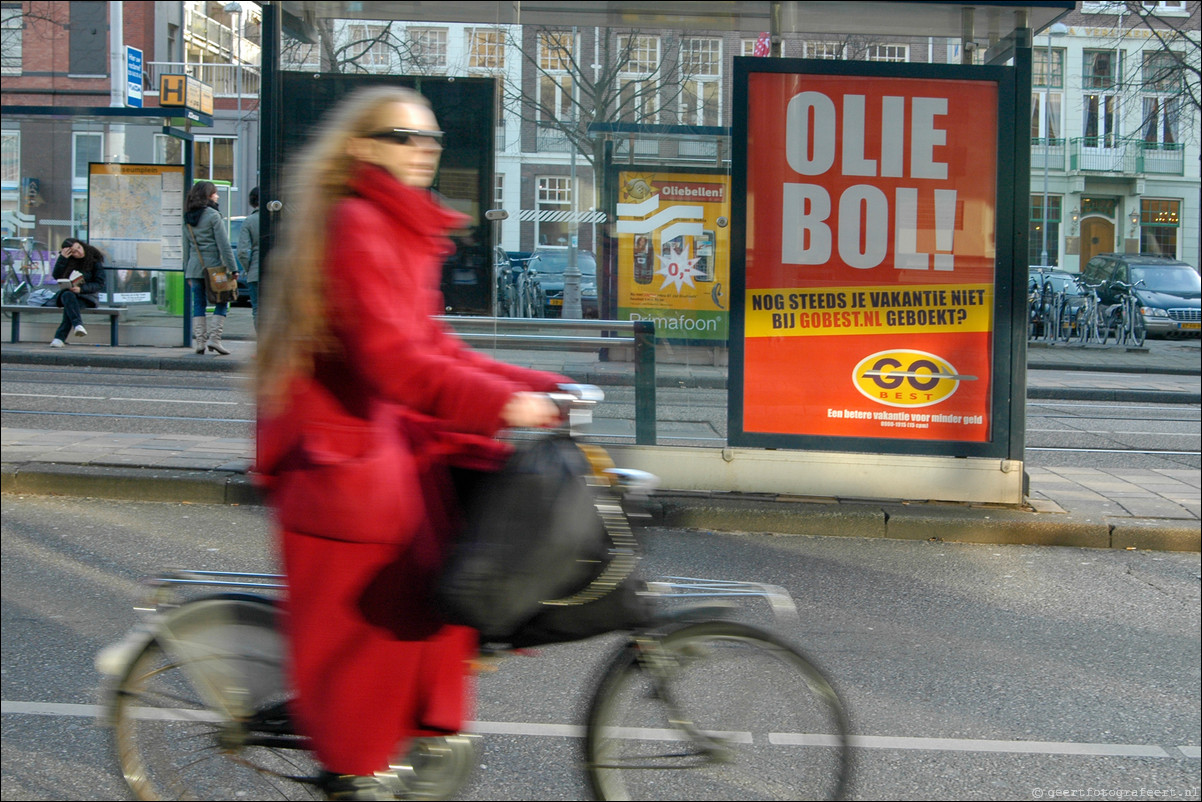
x=209, y=139
x=12, y=35
x=829, y=51
x=10, y=160
x=428, y=48
x=553, y=194
x=637, y=74
x=378, y=57
x=554, y=75
x=79, y=181
x=484, y=55
x=1102, y=104
x=889, y=52
x=702, y=84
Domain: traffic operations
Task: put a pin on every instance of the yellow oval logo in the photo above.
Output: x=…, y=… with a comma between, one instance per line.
x=905, y=378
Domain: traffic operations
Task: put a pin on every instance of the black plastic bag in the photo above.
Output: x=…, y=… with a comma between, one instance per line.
x=532, y=533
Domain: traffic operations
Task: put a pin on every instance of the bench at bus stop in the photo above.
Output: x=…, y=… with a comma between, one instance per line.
x=17, y=310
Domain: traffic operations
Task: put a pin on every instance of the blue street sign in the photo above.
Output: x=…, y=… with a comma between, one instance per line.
x=133, y=77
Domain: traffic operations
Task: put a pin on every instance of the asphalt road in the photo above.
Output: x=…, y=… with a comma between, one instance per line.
x=971, y=672
x=1059, y=433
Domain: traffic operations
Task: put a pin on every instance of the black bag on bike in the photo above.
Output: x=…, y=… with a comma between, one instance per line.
x=532, y=535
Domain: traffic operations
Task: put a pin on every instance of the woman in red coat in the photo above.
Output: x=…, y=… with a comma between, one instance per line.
x=365, y=402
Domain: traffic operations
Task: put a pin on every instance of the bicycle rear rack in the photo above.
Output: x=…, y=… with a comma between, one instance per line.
x=664, y=587
x=685, y=587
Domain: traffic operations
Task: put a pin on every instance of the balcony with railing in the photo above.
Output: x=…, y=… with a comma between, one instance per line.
x=1047, y=152
x=208, y=34
x=1093, y=154
x=224, y=78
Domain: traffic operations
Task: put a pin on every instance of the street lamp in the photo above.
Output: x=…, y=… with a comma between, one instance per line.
x=1059, y=29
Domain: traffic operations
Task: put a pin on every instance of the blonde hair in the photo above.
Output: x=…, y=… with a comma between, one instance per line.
x=295, y=326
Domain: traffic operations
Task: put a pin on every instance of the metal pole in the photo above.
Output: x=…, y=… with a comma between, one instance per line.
x=571, y=274
x=1047, y=72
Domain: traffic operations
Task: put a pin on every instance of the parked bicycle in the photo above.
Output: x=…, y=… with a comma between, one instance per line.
x=691, y=706
x=1089, y=323
x=25, y=268
x=1125, y=321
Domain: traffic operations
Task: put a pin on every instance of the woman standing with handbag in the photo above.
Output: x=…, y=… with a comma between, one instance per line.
x=366, y=401
x=206, y=244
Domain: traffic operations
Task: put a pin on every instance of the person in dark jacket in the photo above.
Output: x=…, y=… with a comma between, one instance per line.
x=88, y=261
x=206, y=244
x=248, y=253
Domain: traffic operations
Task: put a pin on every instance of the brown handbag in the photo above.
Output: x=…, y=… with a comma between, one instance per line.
x=221, y=283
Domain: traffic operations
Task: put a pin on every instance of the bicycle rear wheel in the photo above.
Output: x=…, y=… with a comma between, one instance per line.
x=715, y=710
x=202, y=714
x=1139, y=329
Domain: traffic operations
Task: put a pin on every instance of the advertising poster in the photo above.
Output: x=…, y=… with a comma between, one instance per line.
x=136, y=216
x=674, y=253
x=868, y=306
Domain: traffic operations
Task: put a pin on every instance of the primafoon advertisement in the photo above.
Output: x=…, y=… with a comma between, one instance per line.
x=868, y=306
x=673, y=247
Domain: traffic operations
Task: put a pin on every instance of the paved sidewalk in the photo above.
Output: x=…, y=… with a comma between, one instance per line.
x=1106, y=508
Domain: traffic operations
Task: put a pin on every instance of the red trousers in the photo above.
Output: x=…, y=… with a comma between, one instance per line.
x=370, y=661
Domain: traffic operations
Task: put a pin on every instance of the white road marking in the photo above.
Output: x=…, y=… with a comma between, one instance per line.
x=536, y=729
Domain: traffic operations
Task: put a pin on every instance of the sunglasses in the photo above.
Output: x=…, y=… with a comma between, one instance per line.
x=403, y=136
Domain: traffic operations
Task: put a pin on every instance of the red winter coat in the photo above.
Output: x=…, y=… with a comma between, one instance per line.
x=357, y=471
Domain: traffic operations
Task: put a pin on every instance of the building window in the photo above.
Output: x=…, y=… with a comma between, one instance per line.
x=1047, y=71
x=486, y=49
x=428, y=48
x=1158, y=224
x=12, y=25
x=1161, y=83
x=701, y=90
x=1100, y=102
x=368, y=48
x=1047, y=80
x=1035, y=227
x=499, y=192
x=554, y=207
x=638, y=97
x=830, y=51
x=10, y=159
x=87, y=147
x=88, y=45
x=213, y=158
x=168, y=149
x=887, y=53
x=556, y=87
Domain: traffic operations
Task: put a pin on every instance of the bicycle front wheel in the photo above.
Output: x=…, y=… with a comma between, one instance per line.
x=200, y=713
x=715, y=710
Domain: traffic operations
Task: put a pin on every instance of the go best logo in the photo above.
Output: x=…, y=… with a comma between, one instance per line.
x=905, y=378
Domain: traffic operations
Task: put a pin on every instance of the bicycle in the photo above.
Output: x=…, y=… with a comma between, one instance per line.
x=690, y=706
x=23, y=272
x=1125, y=320
x=1089, y=317
x=531, y=299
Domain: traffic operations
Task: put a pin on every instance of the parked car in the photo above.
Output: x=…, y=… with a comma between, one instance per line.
x=1170, y=296
x=550, y=264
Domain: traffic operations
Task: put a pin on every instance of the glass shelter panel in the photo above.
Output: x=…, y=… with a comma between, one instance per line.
x=600, y=134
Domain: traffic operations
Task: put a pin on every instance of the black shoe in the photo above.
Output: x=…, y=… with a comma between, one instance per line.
x=355, y=786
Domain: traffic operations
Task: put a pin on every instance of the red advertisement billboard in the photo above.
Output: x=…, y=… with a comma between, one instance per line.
x=871, y=223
